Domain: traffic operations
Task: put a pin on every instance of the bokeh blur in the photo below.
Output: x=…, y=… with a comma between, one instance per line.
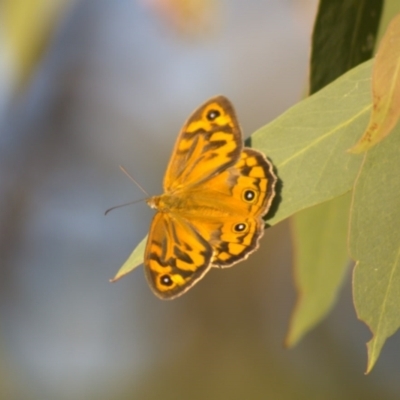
x=87, y=85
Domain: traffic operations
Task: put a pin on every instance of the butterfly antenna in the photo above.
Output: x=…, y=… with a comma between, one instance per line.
x=123, y=205
x=131, y=202
x=133, y=180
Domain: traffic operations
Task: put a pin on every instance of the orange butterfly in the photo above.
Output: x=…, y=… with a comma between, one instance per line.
x=215, y=194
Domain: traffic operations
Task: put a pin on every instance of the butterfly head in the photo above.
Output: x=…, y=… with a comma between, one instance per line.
x=154, y=202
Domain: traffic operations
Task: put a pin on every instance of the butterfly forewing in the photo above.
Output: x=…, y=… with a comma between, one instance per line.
x=209, y=142
x=176, y=256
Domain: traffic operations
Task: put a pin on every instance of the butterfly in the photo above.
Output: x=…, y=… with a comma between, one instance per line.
x=216, y=192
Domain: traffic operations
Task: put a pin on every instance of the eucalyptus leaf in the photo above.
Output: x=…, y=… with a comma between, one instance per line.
x=375, y=243
x=321, y=260
x=320, y=232
x=344, y=36
x=308, y=143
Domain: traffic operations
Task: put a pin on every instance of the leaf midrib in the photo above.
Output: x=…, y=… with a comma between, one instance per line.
x=324, y=136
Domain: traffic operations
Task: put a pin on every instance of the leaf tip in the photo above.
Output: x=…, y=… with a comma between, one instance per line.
x=374, y=347
x=290, y=340
x=117, y=277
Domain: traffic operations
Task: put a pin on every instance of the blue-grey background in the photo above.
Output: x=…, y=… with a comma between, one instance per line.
x=114, y=87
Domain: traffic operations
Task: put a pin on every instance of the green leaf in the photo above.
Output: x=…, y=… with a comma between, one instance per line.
x=375, y=243
x=308, y=143
x=320, y=241
x=344, y=36
x=134, y=260
x=321, y=259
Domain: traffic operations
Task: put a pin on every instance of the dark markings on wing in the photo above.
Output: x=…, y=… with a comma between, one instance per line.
x=157, y=243
x=246, y=170
x=269, y=174
x=256, y=183
x=214, y=145
x=163, y=262
x=239, y=239
x=189, y=152
x=223, y=247
x=232, y=181
x=174, y=234
x=164, y=247
x=208, y=134
x=187, y=246
x=182, y=256
x=211, y=144
x=170, y=262
x=209, y=152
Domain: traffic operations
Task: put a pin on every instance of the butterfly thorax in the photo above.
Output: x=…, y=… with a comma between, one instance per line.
x=168, y=202
x=165, y=202
x=184, y=204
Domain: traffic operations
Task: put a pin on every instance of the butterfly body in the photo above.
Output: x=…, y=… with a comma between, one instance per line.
x=215, y=195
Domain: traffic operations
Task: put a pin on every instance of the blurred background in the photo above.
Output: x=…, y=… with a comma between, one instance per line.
x=87, y=85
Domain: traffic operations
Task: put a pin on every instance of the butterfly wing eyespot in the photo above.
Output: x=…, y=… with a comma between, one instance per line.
x=240, y=227
x=165, y=280
x=249, y=195
x=213, y=114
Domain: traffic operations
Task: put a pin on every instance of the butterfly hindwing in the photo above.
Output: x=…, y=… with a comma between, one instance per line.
x=254, y=190
x=242, y=194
